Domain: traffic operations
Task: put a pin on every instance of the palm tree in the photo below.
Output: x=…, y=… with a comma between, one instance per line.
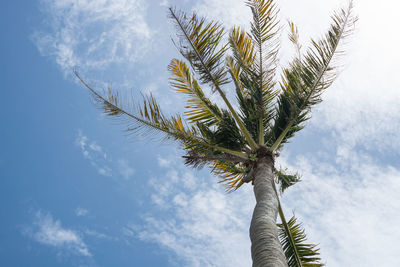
x=240, y=142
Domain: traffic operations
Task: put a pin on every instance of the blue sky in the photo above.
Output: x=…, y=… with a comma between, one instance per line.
x=77, y=191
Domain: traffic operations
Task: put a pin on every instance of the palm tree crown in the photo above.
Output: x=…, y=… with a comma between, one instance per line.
x=269, y=109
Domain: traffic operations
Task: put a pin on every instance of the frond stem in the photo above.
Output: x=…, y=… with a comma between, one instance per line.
x=260, y=119
x=261, y=131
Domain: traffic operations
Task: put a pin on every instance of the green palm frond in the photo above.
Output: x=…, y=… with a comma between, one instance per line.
x=241, y=71
x=305, y=79
x=298, y=253
x=287, y=121
x=255, y=101
x=224, y=133
x=286, y=180
x=199, y=107
x=200, y=45
x=264, y=29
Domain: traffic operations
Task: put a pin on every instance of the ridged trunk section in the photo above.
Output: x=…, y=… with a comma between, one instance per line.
x=266, y=250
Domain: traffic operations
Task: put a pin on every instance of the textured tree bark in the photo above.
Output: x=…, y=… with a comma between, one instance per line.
x=266, y=250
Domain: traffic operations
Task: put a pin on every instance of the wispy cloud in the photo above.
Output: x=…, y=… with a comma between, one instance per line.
x=163, y=162
x=351, y=210
x=361, y=109
x=94, y=153
x=98, y=235
x=341, y=203
x=164, y=3
x=49, y=231
x=230, y=12
x=81, y=212
x=93, y=34
x=205, y=218
x=99, y=159
x=125, y=169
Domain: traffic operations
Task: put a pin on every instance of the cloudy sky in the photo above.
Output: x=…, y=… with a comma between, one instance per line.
x=75, y=190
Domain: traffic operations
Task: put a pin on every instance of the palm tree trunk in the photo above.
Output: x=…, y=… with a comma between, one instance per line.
x=266, y=249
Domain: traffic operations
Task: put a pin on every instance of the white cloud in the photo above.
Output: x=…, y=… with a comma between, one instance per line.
x=163, y=162
x=97, y=157
x=98, y=235
x=348, y=205
x=93, y=34
x=50, y=232
x=164, y=3
x=124, y=169
x=95, y=154
x=361, y=108
x=81, y=211
x=351, y=211
x=230, y=12
x=93, y=146
x=205, y=219
x=105, y=171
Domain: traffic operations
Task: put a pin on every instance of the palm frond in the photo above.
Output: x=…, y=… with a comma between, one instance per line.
x=294, y=37
x=264, y=28
x=231, y=174
x=305, y=79
x=199, y=44
x=248, y=107
x=147, y=119
x=224, y=133
x=241, y=71
x=242, y=47
x=198, y=161
x=298, y=253
x=286, y=180
x=199, y=107
x=254, y=102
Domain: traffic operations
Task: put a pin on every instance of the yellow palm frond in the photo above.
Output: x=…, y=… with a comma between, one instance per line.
x=231, y=174
x=242, y=47
x=294, y=37
x=199, y=108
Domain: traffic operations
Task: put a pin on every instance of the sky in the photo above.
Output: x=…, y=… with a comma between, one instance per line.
x=76, y=190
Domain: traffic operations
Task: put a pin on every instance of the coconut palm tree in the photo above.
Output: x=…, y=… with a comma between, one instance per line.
x=241, y=141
